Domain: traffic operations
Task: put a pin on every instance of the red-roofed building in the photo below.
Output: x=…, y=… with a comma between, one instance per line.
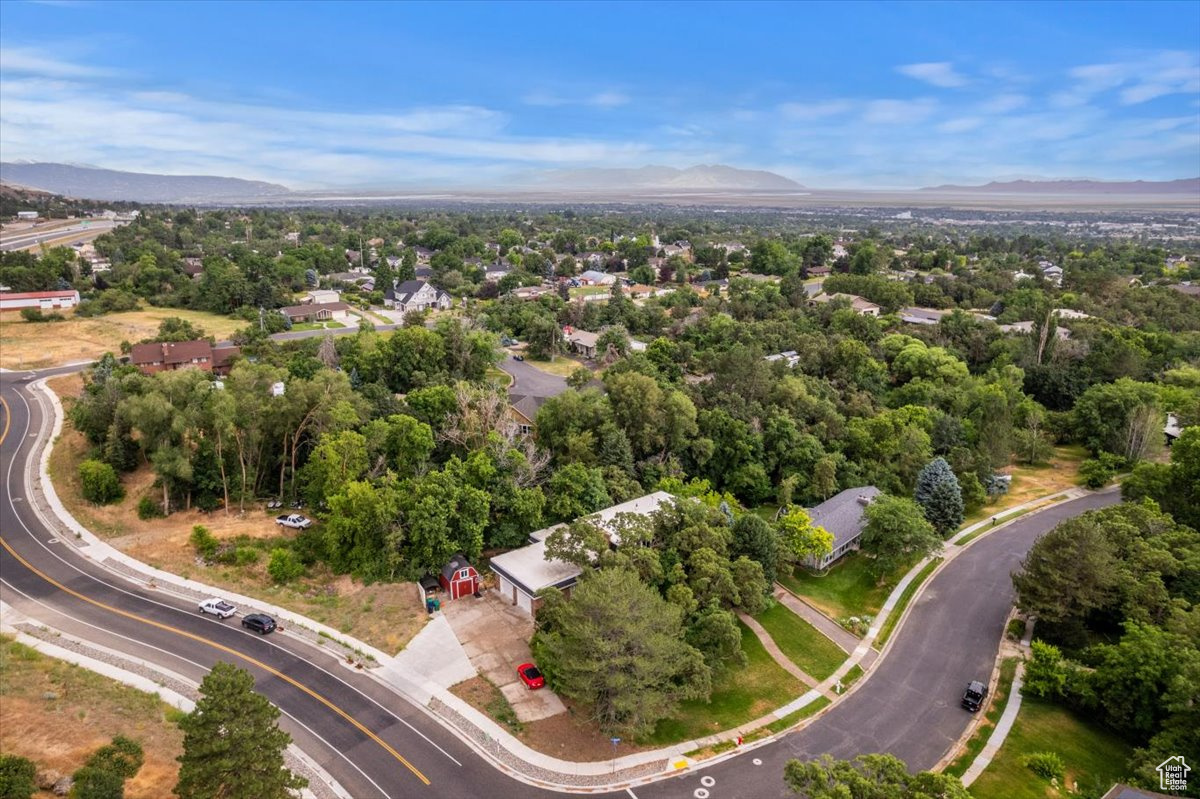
x=42, y=300
x=167, y=356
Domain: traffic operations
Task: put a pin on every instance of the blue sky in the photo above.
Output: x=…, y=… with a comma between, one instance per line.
x=832, y=95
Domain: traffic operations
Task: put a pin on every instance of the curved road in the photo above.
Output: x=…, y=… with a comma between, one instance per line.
x=376, y=744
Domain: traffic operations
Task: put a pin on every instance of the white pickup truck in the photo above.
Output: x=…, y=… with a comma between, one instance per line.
x=294, y=520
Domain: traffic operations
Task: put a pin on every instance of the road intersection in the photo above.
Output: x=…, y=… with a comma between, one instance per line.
x=376, y=742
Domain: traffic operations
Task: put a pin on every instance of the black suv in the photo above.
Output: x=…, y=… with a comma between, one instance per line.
x=259, y=623
x=974, y=695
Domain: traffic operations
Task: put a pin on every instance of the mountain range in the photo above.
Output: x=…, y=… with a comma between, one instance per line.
x=92, y=183
x=705, y=177
x=1187, y=186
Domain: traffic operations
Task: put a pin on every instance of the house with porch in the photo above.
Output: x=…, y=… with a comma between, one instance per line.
x=416, y=295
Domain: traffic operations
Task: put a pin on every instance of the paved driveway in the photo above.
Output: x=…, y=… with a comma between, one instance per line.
x=531, y=381
x=495, y=636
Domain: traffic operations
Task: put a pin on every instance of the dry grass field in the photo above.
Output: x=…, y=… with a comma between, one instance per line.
x=86, y=711
x=32, y=345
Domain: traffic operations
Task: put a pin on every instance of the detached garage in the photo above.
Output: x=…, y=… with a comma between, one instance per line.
x=525, y=571
x=459, y=577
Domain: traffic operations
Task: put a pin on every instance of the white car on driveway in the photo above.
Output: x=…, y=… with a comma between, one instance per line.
x=218, y=607
x=294, y=520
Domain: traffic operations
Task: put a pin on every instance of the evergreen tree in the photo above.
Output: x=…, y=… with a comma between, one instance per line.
x=940, y=496
x=232, y=745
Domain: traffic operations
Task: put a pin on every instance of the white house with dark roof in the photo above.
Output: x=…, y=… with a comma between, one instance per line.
x=416, y=295
x=844, y=518
x=525, y=571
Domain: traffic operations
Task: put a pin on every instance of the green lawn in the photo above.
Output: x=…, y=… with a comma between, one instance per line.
x=1094, y=757
x=738, y=696
x=906, y=596
x=316, y=326
x=845, y=589
x=562, y=365
x=801, y=642
x=984, y=731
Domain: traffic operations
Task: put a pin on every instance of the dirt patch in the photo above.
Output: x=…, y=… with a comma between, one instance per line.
x=384, y=615
x=569, y=736
x=31, y=345
x=61, y=733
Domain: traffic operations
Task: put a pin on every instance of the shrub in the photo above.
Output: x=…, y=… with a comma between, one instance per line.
x=122, y=757
x=17, y=775
x=97, y=783
x=204, y=542
x=36, y=315
x=1097, y=472
x=1016, y=629
x=147, y=508
x=284, y=565
x=1047, y=765
x=100, y=482
x=244, y=556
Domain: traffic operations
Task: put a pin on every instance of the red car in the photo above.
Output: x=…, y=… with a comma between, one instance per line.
x=530, y=675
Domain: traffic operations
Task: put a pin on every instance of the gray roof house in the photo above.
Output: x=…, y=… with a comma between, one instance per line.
x=416, y=295
x=842, y=516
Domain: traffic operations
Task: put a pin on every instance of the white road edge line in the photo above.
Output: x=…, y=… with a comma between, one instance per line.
x=36, y=510
x=181, y=678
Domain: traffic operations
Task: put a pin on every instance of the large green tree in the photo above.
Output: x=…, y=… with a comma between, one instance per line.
x=896, y=534
x=232, y=744
x=619, y=647
x=868, y=777
x=940, y=496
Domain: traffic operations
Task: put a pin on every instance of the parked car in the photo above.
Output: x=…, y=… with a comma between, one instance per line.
x=294, y=520
x=531, y=676
x=974, y=695
x=518, y=357
x=218, y=607
x=260, y=623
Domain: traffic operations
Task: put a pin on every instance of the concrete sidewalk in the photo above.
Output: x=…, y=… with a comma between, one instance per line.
x=410, y=678
x=776, y=653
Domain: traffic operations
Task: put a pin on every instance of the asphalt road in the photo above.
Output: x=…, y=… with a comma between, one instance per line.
x=366, y=737
x=359, y=731
x=909, y=705
x=62, y=235
x=531, y=381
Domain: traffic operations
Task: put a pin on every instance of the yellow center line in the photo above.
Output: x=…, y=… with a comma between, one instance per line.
x=386, y=746
x=7, y=420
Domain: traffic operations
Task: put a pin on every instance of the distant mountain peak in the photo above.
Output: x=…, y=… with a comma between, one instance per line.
x=94, y=183
x=1183, y=186
x=702, y=177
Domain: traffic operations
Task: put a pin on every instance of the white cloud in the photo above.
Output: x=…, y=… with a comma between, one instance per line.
x=960, y=124
x=817, y=110
x=898, y=112
x=35, y=62
x=1139, y=80
x=935, y=73
x=1003, y=103
x=604, y=99
x=609, y=99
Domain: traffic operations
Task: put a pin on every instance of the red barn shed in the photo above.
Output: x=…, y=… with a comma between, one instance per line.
x=459, y=577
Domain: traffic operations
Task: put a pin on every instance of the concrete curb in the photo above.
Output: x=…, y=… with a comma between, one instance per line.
x=421, y=694
x=996, y=740
x=146, y=685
